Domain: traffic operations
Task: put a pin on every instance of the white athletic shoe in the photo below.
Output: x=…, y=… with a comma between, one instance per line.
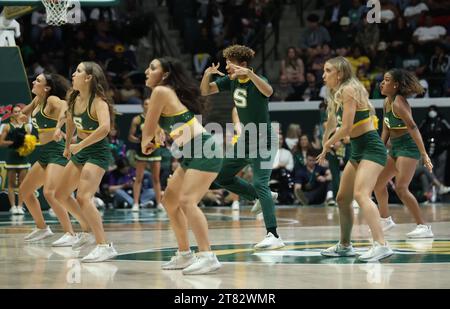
x=101, y=253
x=443, y=190
x=235, y=205
x=387, y=224
x=135, y=208
x=256, y=209
x=270, y=242
x=180, y=261
x=83, y=239
x=67, y=240
x=338, y=250
x=39, y=234
x=20, y=210
x=376, y=252
x=355, y=204
x=421, y=231
x=160, y=207
x=206, y=262
x=13, y=210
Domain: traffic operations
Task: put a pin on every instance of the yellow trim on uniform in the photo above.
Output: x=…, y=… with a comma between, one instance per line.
x=89, y=114
x=86, y=131
x=180, y=128
x=243, y=81
x=176, y=114
x=46, y=130
x=17, y=166
x=43, y=114
x=361, y=122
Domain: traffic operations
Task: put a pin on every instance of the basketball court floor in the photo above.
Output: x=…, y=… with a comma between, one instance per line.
x=145, y=240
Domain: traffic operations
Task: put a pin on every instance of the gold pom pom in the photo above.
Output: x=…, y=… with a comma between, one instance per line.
x=28, y=146
x=375, y=121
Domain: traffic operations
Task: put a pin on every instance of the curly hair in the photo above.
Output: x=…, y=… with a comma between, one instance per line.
x=240, y=53
x=408, y=84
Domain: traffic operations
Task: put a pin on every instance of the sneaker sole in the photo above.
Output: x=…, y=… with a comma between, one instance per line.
x=270, y=248
x=100, y=260
x=38, y=239
x=209, y=271
x=420, y=237
x=336, y=255
x=375, y=259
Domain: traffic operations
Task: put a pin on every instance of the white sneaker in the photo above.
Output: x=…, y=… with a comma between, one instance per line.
x=235, y=205
x=376, y=252
x=443, y=190
x=13, y=210
x=270, y=242
x=421, y=231
x=82, y=240
x=180, y=261
x=67, y=240
x=206, y=262
x=355, y=204
x=256, y=209
x=160, y=207
x=135, y=208
x=20, y=210
x=51, y=212
x=387, y=224
x=338, y=250
x=39, y=234
x=100, y=253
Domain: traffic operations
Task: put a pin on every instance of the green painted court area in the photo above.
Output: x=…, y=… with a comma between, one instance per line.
x=406, y=251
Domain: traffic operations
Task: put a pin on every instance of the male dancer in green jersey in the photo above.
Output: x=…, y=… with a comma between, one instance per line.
x=251, y=97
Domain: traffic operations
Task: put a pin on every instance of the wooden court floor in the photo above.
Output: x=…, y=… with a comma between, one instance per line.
x=144, y=240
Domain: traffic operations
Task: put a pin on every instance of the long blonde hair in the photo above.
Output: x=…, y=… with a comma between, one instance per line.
x=348, y=78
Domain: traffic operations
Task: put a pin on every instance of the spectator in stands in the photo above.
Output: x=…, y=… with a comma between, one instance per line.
x=355, y=13
x=414, y=11
x=357, y=59
x=119, y=65
x=334, y=11
x=284, y=91
x=368, y=36
x=281, y=178
x=400, y=35
x=429, y=33
x=129, y=94
x=435, y=130
x=426, y=182
x=120, y=185
x=440, y=61
x=389, y=11
x=310, y=91
x=301, y=150
x=319, y=60
x=314, y=34
x=104, y=42
x=412, y=61
x=361, y=74
x=438, y=68
x=311, y=182
x=293, y=134
x=292, y=68
x=204, y=50
x=345, y=36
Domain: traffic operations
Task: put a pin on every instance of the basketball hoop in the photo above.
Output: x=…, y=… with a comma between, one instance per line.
x=56, y=11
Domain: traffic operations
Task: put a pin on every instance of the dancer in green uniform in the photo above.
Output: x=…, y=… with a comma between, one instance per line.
x=407, y=149
x=16, y=165
x=349, y=101
x=90, y=113
x=251, y=97
x=45, y=110
x=173, y=104
x=154, y=158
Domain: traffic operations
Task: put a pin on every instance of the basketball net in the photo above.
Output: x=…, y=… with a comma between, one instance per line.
x=56, y=11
